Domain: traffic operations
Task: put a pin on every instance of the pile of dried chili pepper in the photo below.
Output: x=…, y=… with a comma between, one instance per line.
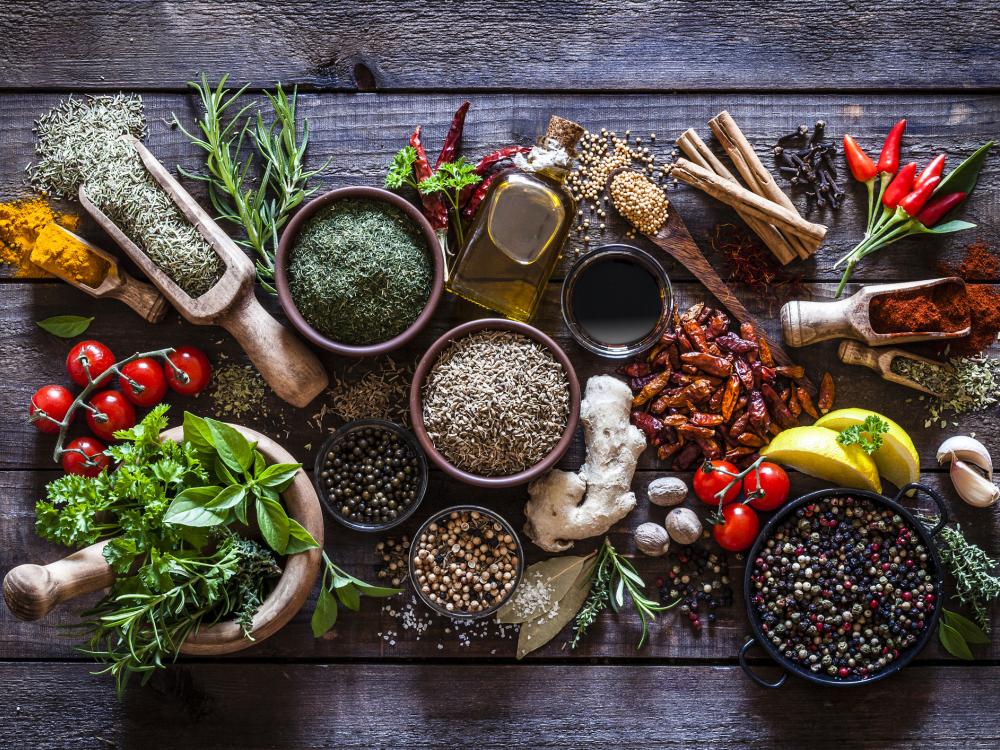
x=705, y=392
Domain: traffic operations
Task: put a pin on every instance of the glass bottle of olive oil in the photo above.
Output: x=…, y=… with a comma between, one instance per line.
x=520, y=228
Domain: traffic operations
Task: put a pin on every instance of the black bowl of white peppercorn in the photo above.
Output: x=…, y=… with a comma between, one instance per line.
x=371, y=475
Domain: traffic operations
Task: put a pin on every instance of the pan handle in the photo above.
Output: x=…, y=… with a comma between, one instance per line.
x=753, y=675
x=938, y=501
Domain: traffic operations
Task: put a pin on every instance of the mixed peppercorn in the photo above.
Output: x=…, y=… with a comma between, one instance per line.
x=699, y=579
x=843, y=587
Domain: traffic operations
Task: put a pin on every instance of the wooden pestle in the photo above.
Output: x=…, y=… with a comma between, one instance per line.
x=32, y=591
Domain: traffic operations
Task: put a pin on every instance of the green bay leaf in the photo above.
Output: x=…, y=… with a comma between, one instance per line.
x=536, y=633
x=65, y=326
x=558, y=572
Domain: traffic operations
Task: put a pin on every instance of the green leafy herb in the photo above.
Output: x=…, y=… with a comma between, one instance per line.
x=401, y=169
x=65, y=326
x=977, y=583
x=227, y=132
x=957, y=633
x=339, y=585
x=867, y=435
x=449, y=179
x=613, y=577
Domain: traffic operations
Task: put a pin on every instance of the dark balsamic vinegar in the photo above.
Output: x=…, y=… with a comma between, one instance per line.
x=617, y=301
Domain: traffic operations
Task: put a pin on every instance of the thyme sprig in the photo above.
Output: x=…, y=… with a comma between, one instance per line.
x=977, y=584
x=238, y=142
x=614, y=576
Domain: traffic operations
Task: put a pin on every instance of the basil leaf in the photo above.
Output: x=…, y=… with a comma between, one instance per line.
x=273, y=523
x=278, y=476
x=953, y=642
x=223, y=473
x=234, y=449
x=299, y=538
x=259, y=463
x=971, y=632
x=65, y=326
x=230, y=497
x=325, y=615
x=189, y=508
x=963, y=178
x=349, y=597
x=380, y=592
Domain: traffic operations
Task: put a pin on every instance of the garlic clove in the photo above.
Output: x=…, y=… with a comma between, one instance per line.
x=973, y=487
x=968, y=449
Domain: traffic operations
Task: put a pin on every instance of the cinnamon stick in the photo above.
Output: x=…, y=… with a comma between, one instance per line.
x=754, y=173
x=737, y=196
x=699, y=152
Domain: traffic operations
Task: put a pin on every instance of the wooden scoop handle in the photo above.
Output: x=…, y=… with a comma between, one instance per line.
x=144, y=298
x=854, y=353
x=289, y=367
x=804, y=323
x=31, y=591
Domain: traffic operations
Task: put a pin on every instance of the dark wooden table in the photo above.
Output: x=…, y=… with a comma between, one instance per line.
x=369, y=72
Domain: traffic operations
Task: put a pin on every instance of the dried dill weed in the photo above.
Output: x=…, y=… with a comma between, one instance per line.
x=639, y=200
x=85, y=142
x=967, y=384
x=495, y=403
x=237, y=391
x=360, y=272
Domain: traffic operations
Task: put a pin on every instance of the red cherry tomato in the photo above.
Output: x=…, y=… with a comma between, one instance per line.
x=774, y=482
x=113, y=413
x=143, y=382
x=97, y=356
x=195, y=365
x=74, y=463
x=49, y=401
x=739, y=528
x=708, y=484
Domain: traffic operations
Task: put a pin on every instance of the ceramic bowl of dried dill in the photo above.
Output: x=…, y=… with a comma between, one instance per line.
x=359, y=271
x=494, y=403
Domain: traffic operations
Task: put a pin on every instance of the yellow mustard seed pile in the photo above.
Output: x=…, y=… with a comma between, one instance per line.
x=639, y=200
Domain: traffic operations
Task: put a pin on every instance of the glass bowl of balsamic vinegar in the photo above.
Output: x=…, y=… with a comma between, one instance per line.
x=616, y=301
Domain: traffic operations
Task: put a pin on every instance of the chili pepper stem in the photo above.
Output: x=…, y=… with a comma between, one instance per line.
x=885, y=180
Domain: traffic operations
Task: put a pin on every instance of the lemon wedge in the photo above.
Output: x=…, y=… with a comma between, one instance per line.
x=897, y=459
x=815, y=451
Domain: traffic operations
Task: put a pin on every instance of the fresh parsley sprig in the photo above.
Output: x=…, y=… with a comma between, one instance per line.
x=449, y=179
x=867, y=435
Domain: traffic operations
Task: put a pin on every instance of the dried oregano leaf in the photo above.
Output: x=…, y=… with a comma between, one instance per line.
x=536, y=633
x=555, y=574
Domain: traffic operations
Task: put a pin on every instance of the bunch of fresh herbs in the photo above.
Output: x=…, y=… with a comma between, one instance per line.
x=239, y=145
x=977, y=579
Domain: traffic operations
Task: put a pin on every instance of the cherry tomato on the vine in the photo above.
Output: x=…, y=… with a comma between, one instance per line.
x=193, y=362
x=98, y=359
x=739, y=528
x=74, y=463
x=708, y=484
x=774, y=483
x=112, y=412
x=51, y=401
x=143, y=382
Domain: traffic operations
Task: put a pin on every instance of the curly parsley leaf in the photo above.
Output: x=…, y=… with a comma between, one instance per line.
x=401, y=169
x=450, y=178
x=867, y=435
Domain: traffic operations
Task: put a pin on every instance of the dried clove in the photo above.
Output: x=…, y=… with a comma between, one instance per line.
x=810, y=164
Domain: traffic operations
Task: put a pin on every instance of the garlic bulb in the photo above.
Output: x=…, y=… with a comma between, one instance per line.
x=652, y=539
x=973, y=487
x=967, y=449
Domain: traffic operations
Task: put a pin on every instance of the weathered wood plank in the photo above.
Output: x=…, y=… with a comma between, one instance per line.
x=30, y=358
x=376, y=634
x=361, y=132
x=662, y=44
x=253, y=707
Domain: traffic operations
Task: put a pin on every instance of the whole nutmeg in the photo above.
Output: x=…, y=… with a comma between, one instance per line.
x=667, y=491
x=683, y=526
x=652, y=539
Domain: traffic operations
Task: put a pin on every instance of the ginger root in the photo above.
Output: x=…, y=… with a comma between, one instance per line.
x=556, y=516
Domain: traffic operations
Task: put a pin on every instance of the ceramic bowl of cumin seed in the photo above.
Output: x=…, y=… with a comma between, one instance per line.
x=495, y=403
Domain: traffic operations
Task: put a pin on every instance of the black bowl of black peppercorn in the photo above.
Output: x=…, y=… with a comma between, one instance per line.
x=843, y=587
x=371, y=475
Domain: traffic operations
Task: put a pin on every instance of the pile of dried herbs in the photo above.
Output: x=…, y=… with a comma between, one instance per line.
x=85, y=143
x=360, y=272
x=965, y=384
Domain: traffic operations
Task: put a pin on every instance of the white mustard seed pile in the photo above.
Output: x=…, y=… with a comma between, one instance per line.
x=639, y=200
x=495, y=403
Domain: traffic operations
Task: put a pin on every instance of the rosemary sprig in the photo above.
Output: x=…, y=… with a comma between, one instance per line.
x=614, y=575
x=261, y=210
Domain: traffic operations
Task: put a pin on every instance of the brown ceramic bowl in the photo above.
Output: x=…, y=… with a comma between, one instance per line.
x=288, y=240
x=417, y=411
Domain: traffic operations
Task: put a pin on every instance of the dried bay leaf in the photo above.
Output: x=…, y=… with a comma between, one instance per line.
x=558, y=573
x=536, y=633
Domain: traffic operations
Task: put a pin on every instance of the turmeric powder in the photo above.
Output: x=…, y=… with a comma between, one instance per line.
x=20, y=223
x=63, y=255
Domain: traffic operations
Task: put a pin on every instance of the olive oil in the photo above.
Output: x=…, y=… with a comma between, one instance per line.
x=519, y=230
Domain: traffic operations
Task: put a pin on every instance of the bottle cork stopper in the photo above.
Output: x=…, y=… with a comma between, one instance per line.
x=564, y=132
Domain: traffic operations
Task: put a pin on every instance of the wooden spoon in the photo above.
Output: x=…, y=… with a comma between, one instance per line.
x=288, y=366
x=141, y=297
x=880, y=361
x=804, y=323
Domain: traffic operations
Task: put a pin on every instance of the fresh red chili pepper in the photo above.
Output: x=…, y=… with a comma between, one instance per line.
x=479, y=192
x=433, y=203
x=936, y=209
x=900, y=186
x=861, y=165
x=934, y=169
x=888, y=161
x=915, y=201
x=451, y=140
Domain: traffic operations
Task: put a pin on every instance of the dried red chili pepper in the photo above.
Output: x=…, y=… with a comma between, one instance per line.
x=695, y=333
x=757, y=410
x=750, y=439
x=646, y=422
x=694, y=431
x=507, y=152
x=779, y=410
x=478, y=195
x=765, y=351
x=450, y=147
x=805, y=400
x=745, y=373
x=651, y=389
x=748, y=332
x=795, y=372
x=718, y=324
x=793, y=401
x=739, y=452
x=434, y=207
x=826, y=393
x=701, y=419
x=715, y=401
x=709, y=448
x=674, y=420
x=740, y=425
x=686, y=457
x=733, y=343
x=711, y=364
x=667, y=450
x=730, y=396
x=636, y=370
